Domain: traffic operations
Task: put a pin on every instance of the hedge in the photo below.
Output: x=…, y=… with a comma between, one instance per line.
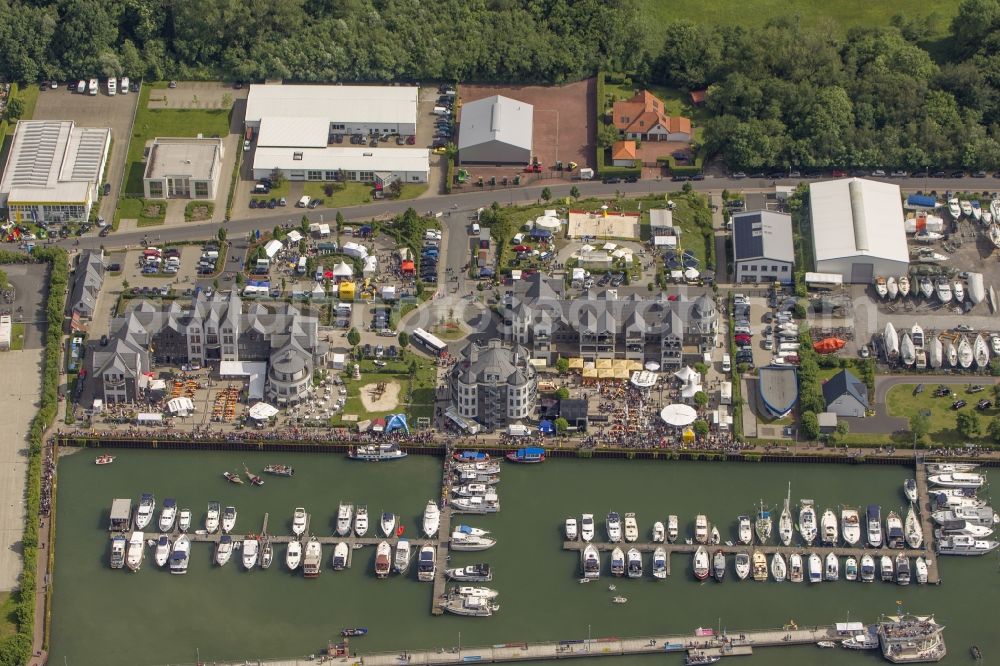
x=16, y=649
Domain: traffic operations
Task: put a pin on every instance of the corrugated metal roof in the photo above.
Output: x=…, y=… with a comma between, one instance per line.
x=364, y=104
x=855, y=216
x=53, y=160
x=496, y=118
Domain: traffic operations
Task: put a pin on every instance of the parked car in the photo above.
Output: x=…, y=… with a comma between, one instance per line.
x=107, y=189
x=611, y=180
x=958, y=404
x=738, y=175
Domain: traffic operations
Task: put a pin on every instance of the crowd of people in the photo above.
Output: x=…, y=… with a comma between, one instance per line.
x=48, y=474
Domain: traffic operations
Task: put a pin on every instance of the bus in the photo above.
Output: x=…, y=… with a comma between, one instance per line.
x=430, y=342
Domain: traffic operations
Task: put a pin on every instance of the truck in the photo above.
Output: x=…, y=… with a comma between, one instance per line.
x=586, y=174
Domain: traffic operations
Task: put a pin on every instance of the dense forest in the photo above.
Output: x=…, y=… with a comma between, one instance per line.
x=786, y=94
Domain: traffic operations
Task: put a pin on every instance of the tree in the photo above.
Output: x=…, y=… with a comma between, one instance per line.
x=994, y=430
x=340, y=220
x=561, y=424
x=701, y=428
x=277, y=177
x=843, y=427
x=304, y=225
x=239, y=278
x=809, y=425
x=607, y=134
x=278, y=233
x=353, y=337
x=920, y=425
x=969, y=424
x=701, y=399
x=562, y=365
x=395, y=188
x=799, y=312
x=562, y=393
x=221, y=235
x=15, y=107
x=418, y=288
x=546, y=194
x=574, y=192
x=4, y=282
x=404, y=339
x=701, y=368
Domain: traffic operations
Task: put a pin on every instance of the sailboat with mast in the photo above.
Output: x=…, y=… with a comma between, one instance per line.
x=763, y=524
x=785, y=526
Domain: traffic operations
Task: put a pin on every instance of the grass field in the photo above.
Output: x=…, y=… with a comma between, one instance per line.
x=842, y=14
x=131, y=208
x=16, y=337
x=419, y=387
x=900, y=401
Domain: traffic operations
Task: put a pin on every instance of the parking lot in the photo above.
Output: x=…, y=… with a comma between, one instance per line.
x=96, y=111
x=29, y=282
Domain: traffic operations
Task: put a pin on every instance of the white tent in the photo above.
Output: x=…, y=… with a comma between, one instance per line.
x=262, y=411
x=181, y=406
x=686, y=373
x=339, y=361
x=665, y=241
x=324, y=229
x=149, y=418
x=692, y=386
x=343, y=270
x=353, y=249
x=609, y=246
x=579, y=274
x=515, y=274
x=691, y=274
x=371, y=266
x=389, y=292
x=294, y=237
x=272, y=248
x=643, y=379
x=587, y=247
x=652, y=366
x=546, y=222
x=318, y=291
x=550, y=212
x=678, y=415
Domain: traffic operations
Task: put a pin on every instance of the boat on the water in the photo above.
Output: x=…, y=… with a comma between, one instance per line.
x=851, y=568
x=815, y=568
x=353, y=632
x=299, y=519
x=119, y=544
x=744, y=530
x=223, y=550
x=293, y=555
x=312, y=558
x=758, y=563
x=532, y=454
x=894, y=536
x=874, y=523
x=470, y=606
x=232, y=477
x=976, y=515
x=480, y=467
x=387, y=522
x=719, y=565
x=144, y=512
x=957, y=480
x=672, y=528
x=590, y=563
x=920, y=570
x=763, y=524
x=828, y=528
x=361, y=520
x=807, y=521
x=964, y=528
x=832, y=567
x=867, y=568
x=633, y=563
x=161, y=552
x=910, y=489
x=785, y=525
x=228, y=519
x=341, y=553
x=570, y=529
x=279, y=470
x=613, y=526
x=488, y=503
x=862, y=641
x=251, y=549
x=471, y=457
x=796, y=570
x=180, y=555
x=184, y=520
x=383, y=559
x=778, y=568
x=911, y=528
x=463, y=540
x=714, y=537
x=266, y=553
x=631, y=528
x=106, y=459
x=965, y=545
x=168, y=514
x=473, y=573
x=741, y=564
x=659, y=533
x=587, y=527
x=850, y=526
x=254, y=479
x=617, y=562
x=427, y=565
x=659, y=563
x=470, y=476
x=376, y=452
x=432, y=519
x=886, y=569
x=902, y=570
x=212, y=517
x=701, y=528
x=700, y=563
x=950, y=468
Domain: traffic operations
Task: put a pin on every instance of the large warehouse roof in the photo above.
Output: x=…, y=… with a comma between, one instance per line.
x=496, y=118
x=347, y=158
x=855, y=217
x=298, y=132
x=369, y=104
x=53, y=160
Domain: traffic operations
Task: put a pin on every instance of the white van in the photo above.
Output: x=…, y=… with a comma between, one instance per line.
x=301, y=267
x=92, y=87
x=475, y=228
x=440, y=111
x=304, y=201
x=518, y=237
x=112, y=86
x=124, y=86
x=727, y=364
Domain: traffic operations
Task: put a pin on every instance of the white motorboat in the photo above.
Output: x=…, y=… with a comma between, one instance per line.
x=874, y=524
x=965, y=545
x=977, y=516
x=659, y=533
x=614, y=527
x=473, y=573
x=570, y=529
x=894, y=535
x=867, y=568
x=966, y=207
x=401, y=562
x=763, y=524
x=312, y=558
x=345, y=516
x=701, y=528
x=361, y=520
x=965, y=355
x=758, y=566
x=807, y=521
x=168, y=514
x=796, y=570
x=212, y=517
x=935, y=352
x=902, y=570
x=977, y=290
x=426, y=563
x=136, y=551
x=891, y=288
x=953, y=208
x=880, y=287
x=266, y=553
x=251, y=549
x=951, y=354
x=828, y=527
x=388, y=524
x=815, y=568
x=432, y=519
x=223, y=550
x=850, y=526
x=914, y=535
x=907, y=352
x=587, y=527
x=180, y=555
x=162, y=550
x=944, y=500
x=659, y=563
x=341, y=553
x=851, y=568
x=590, y=563
x=118, y=546
x=631, y=528
x=977, y=211
x=950, y=468
x=745, y=531
x=958, y=291
x=299, y=521
x=886, y=569
x=785, y=524
x=472, y=490
x=920, y=570
x=778, y=568
x=925, y=236
x=383, y=559
x=963, y=528
x=672, y=528
x=700, y=563
x=719, y=566
x=462, y=540
x=904, y=286
x=184, y=520
x=633, y=563
x=917, y=336
x=832, y=567
x=926, y=287
x=144, y=512
x=293, y=555
x=474, y=591
x=891, y=342
x=714, y=537
x=943, y=290
x=742, y=565
x=488, y=503
x=981, y=352
x=958, y=480
x=470, y=606
x=228, y=519
x=617, y=562
x=910, y=489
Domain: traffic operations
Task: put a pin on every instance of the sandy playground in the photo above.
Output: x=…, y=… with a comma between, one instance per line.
x=372, y=401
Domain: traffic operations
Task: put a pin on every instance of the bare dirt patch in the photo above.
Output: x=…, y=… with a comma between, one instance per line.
x=375, y=400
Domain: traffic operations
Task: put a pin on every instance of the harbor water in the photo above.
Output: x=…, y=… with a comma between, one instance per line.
x=113, y=617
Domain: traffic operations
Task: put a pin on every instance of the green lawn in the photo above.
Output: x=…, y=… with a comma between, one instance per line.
x=30, y=96
x=842, y=14
x=900, y=401
x=420, y=387
x=16, y=337
x=8, y=621
x=351, y=194
x=139, y=209
x=198, y=210
x=168, y=123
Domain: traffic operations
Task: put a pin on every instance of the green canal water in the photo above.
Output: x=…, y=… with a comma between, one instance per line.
x=102, y=616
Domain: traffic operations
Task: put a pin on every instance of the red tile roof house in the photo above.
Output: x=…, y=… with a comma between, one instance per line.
x=623, y=153
x=643, y=118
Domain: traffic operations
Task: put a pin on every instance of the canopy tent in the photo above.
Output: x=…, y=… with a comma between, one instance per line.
x=579, y=274
x=546, y=427
x=157, y=385
x=691, y=274
x=396, y=422
x=653, y=366
x=343, y=270
x=149, y=418
x=587, y=248
x=643, y=380
x=262, y=411
x=608, y=247
x=293, y=237
x=686, y=373
x=678, y=415
x=371, y=266
x=541, y=233
x=576, y=363
x=254, y=371
x=272, y=248
x=181, y=406
x=692, y=387
x=550, y=223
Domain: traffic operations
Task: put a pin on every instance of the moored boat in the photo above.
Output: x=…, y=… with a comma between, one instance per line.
x=631, y=528
x=807, y=521
x=957, y=480
x=910, y=489
x=778, y=567
x=851, y=568
x=223, y=550
x=427, y=564
x=471, y=457
x=701, y=528
x=144, y=512
x=432, y=519
x=184, y=520
x=785, y=525
x=470, y=606
x=832, y=567
x=886, y=569
x=590, y=563
x=965, y=545
x=758, y=563
x=212, y=517
x=312, y=558
x=473, y=573
x=119, y=544
x=659, y=563
x=299, y=519
x=463, y=540
x=633, y=563
x=815, y=568
x=867, y=573
x=613, y=526
x=828, y=526
x=741, y=564
x=251, y=549
x=914, y=535
x=488, y=503
x=920, y=570
x=719, y=565
x=266, y=553
x=894, y=535
x=341, y=553
x=180, y=555
x=617, y=562
x=228, y=519
x=168, y=515
x=874, y=523
x=388, y=523
x=700, y=563
x=383, y=559
x=796, y=571
x=744, y=530
x=902, y=569
x=587, y=527
x=279, y=470
x=659, y=533
x=850, y=526
x=570, y=529
x=161, y=552
x=672, y=528
x=361, y=520
x=763, y=524
x=533, y=454
x=293, y=555
x=376, y=452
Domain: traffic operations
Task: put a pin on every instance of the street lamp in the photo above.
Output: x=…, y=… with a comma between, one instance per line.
x=588, y=638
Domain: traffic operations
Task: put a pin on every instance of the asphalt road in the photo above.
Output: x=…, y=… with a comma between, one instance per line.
x=462, y=204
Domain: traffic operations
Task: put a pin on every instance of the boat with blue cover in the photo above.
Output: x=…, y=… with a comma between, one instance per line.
x=472, y=456
x=533, y=454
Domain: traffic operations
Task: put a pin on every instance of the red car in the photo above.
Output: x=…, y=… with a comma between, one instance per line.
x=837, y=173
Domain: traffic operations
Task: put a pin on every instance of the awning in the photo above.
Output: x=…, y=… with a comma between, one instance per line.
x=148, y=417
x=643, y=379
x=686, y=373
x=678, y=415
x=294, y=237
x=254, y=371
x=262, y=411
x=465, y=424
x=576, y=363
x=181, y=406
